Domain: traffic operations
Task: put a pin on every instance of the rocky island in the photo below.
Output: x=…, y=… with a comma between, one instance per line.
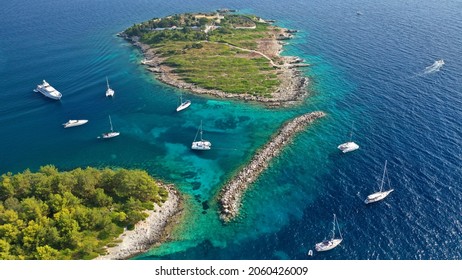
x=221, y=54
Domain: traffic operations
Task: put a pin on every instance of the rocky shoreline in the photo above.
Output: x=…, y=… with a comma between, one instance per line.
x=149, y=232
x=293, y=87
x=232, y=193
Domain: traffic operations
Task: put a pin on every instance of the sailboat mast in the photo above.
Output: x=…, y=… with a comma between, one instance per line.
x=351, y=131
x=341, y=237
x=201, y=131
x=110, y=121
x=383, y=176
x=107, y=82
x=333, y=228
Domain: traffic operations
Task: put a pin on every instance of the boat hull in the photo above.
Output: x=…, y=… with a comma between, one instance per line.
x=348, y=147
x=377, y=196
x=46, y=94
x=183, y=106
x=72, y=123
x=109, y=92
x=201, y=145
x=110, y=135
x=327, y=245
x=48, y=91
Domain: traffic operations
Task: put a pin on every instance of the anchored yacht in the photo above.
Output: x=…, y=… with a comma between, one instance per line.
x=48, y=91
x=72, y=123
x=201, y=144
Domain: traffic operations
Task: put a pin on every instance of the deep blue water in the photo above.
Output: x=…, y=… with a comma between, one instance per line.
x=368, y=70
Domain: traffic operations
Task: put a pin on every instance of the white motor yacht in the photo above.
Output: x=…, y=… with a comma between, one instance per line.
x=49, y=91
x=72, y=123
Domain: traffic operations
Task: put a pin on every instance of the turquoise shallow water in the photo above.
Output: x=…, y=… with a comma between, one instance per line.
x=365, y=69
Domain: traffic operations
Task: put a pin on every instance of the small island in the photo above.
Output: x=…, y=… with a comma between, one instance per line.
x=221, y=54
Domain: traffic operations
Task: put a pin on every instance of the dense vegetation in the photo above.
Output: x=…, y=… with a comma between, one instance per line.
x=210, y=60
x=71, y=215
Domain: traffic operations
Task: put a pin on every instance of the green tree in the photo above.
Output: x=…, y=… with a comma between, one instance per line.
x=68, y=228
x=46, y=253
x=137, y=184
x=30, y=239
x=5, y=250
x=87, y=180
x=12, y=203
x=33, y=209
x=6, y=186
x=9, y=233
x=22, y=184
x=101, y=199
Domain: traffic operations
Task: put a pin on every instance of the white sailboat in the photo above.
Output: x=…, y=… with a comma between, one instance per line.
x=112, y=133
x=380, y=194
x=183, y=105
x=201, y=144
x=329, y=244
x=350, y=145
x=109, y=91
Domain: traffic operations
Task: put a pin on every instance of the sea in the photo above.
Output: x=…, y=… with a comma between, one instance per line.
x=371, y=70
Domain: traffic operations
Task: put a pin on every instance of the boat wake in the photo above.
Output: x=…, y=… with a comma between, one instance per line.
x=435, y=67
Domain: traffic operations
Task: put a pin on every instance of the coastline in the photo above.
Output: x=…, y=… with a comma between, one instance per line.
x=293, y=87
x=231, y=194
x=149, y=232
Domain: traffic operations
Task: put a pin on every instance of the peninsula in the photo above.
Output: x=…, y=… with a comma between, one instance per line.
x=83, y=213
x=232, y=193
x=221, y=54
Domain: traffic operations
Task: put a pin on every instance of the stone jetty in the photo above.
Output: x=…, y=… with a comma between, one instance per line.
x=232, y=193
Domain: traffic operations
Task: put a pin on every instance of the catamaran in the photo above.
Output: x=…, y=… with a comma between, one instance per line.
x=380, y=194
x=72, y=123
x=329, y=244
x=109, y=91
x=183, y=105
x=201, y=144
x=48, y=91
x=350, y=145
x=112, y=133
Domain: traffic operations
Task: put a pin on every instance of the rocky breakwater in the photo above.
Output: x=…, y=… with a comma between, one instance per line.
x=232, y=193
